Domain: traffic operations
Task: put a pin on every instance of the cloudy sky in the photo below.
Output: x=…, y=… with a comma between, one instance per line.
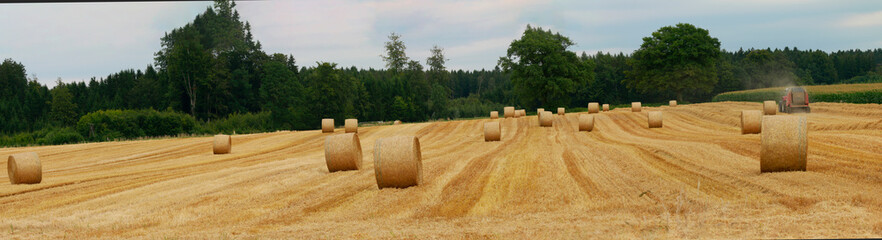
x=76, y=41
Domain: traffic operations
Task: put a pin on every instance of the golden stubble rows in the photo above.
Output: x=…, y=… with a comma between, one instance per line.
x=695, y=177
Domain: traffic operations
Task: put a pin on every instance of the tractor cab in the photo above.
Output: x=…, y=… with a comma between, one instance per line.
x=795, y=99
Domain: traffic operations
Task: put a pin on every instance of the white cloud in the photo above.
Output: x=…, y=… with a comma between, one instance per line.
x=862, y=20
x=78, y=41
x=470, y=16
x=352, y=33
x=480, y=46
x=331, y=31
x=309, y=24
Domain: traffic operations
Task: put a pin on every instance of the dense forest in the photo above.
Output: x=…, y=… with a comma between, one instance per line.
x=212, y=76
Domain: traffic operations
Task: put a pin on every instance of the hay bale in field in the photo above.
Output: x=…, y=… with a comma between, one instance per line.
x=593, y=107
x=751, y=121
x=672, y=103
x=606, y=107
x=539, y=110
x=327, y=125
x=655, y=119
x=561, y=111
x=398, y=162
x=494, y=114
x=396, y=122
x=351, y=125
x=546, y=119
x=222, y=144
x=770, y=107
x=492, y=131
x=509, y=112
x=343, y=152
x=784, y=144
x=636, y=107
x=24, y=168
x=586, y=122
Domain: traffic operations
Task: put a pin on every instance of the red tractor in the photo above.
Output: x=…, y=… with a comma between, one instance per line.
x=794, y=99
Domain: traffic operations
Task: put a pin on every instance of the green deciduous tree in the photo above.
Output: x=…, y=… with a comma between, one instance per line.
x=437, y=71
x=676, y=59
x=281, y=94
x=63, y=109
x=13, y=81
x=543, y=72
x=331, y=93
x=439, y=80
x=187, y=63
x=395, y=57
x=212, y=65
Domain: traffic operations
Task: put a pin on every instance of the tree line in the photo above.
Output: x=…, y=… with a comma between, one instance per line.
x=213, y=70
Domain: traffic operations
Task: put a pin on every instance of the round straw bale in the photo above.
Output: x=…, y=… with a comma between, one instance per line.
x=494, y=114
x=586, y=122
x=561, y=111
x=24, y=168
x=673, y=103
x=492, y=131
x=343, y=152
x=655, y=119
x=546, y=118
x=351, y=125
x=222, y=144
x=606, y=107
x=327, y=125
x=398, y=162
x=539, y=110
x=396, y=122
x=593, y=107
x=784, y=144
x=751, y=121
x=523, y=113
x=770, y=107
x=509, y=112
x=635, y=107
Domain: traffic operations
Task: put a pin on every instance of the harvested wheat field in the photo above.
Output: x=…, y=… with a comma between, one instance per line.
x=697, y=177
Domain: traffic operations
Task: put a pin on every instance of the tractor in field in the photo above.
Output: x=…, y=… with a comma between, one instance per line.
x=794, y=99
